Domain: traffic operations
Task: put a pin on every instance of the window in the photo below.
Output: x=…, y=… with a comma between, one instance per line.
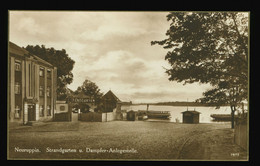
x=41, y=111
x=17, y=88
x=17, y=112
x=41, y=72
x=41, y=91
x=49, y=74
x=17, y=66
x=48, y=91
x=62, y=108
x=48, y=110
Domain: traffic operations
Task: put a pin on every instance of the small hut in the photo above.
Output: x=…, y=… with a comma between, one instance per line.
x=131, y=115
x=190, y=116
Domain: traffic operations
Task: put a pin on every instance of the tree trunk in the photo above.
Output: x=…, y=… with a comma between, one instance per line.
x=243, y=110
x=232, y=119
x=233, y=110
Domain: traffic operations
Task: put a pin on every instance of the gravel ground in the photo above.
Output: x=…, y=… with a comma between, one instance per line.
x=138, y=140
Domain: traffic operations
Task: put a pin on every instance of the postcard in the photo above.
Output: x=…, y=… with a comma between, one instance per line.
x=128, y=85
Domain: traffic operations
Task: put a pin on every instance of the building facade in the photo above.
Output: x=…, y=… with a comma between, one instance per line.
x=31, y=86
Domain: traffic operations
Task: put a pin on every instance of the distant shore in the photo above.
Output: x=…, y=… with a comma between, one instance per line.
x=176, y=103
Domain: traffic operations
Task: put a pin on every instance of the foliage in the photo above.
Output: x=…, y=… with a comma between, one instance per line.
x=64, y=93
x=90, y=89
x=210, y=47
x=59, y=59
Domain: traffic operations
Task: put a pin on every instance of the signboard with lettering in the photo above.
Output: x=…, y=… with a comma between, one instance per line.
x=81, y=100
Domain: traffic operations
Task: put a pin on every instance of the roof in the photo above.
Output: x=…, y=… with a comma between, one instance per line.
x=110, y=95
x=15, y=49
x=41, y=60
x=192, y=112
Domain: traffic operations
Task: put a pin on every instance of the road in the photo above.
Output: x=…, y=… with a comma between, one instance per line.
x=138, y=140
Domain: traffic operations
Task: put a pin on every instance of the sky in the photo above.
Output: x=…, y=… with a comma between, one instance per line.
x=111, y=49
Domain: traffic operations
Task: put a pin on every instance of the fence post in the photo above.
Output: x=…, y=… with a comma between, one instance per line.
x=70, y=112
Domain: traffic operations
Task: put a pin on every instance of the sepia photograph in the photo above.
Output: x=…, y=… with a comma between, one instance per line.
x=128, y=85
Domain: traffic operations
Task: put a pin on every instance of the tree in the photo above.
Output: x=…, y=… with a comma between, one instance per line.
x=90, y=89
x=65, y=93
x=59, y=59
x=210, y=47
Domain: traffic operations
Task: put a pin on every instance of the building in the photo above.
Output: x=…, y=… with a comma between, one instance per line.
x=131, y=115
x=31, y=86
x=110, y=101
x=190, y=117
x=82, y=102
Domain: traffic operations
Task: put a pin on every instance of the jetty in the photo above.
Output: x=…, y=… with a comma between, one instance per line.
x=222, y=117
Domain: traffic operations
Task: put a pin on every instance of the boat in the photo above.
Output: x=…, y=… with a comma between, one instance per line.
x=159, y=114
x=222, y=117
x=142, y=115
x=155, y=114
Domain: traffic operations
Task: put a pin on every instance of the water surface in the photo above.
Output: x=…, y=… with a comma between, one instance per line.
x=176, y=111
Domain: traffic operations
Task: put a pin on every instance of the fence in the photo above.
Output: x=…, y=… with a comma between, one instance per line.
x=61, y=117
x=241, y=133
x=97, y=117
x=106, y=117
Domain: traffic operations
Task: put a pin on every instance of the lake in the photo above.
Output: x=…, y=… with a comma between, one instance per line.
x=176, y=111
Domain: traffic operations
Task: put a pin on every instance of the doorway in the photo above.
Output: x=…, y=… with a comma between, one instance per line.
x=31, y=113
x=187, y=118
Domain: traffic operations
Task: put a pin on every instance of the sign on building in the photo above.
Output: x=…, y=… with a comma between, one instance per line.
x=81, y=100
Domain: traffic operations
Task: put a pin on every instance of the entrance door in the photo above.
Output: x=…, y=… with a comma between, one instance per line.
x=31, y=113
x=187, y=118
